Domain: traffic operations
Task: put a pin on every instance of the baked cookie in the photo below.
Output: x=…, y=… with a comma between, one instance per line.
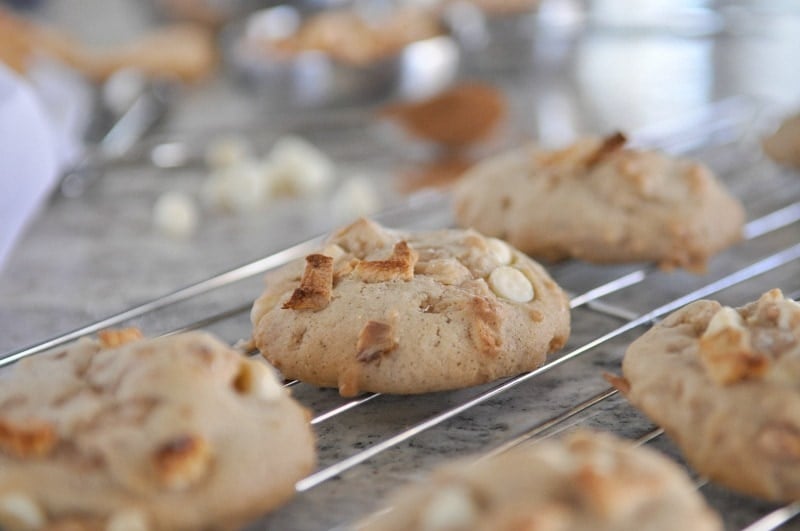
x=724, y=383
x=394, y=312
x=133, y=434
x=588, y=481
x=783, y=146
x=599, y=201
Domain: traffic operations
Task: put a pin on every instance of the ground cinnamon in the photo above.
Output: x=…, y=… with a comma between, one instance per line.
x=440, y=173
x=455, y=118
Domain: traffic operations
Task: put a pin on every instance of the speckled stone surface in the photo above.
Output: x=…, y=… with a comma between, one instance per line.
x=84, y=259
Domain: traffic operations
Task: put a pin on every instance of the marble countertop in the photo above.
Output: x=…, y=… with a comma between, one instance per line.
x=87, y=258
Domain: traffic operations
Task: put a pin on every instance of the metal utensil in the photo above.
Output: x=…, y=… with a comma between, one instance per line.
x=149, y=103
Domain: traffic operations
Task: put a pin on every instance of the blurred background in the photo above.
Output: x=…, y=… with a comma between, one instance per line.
x=163, y=141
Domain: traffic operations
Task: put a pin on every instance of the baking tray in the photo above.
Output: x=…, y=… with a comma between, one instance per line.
x=373, y=443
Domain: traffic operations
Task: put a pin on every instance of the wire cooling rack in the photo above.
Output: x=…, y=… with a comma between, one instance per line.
x=372, y=443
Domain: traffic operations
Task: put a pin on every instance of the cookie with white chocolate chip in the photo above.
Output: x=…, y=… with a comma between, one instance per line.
x=586, y=481
x=599, y=201
x=127, y=433
x=394, y=312
x=724, y=383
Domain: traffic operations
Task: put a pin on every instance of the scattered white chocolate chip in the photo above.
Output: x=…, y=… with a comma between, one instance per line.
x=227, y=151
x=511, y=284
x=175, y=215
x=451, y=508
x=127, y=520
x=355, y=197
x=500, y=250
x=19, y=511
x=296, y=167
x=238, y=188
x=724, y=319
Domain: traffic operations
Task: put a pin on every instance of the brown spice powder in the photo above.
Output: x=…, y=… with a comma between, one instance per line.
x=440, y=173
x=455, y=118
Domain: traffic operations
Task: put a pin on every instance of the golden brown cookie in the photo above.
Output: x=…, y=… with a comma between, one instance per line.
x=588, y=481
x=125, y=433
x=395, y=312
x=724, y=383
x=602, y=202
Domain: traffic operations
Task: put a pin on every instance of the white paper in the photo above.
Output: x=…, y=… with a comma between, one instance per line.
x=29, y=157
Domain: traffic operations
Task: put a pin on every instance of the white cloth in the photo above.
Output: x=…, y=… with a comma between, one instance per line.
x=29, y=157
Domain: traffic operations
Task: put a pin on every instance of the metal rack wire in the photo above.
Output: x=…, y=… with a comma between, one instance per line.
x=771, y=247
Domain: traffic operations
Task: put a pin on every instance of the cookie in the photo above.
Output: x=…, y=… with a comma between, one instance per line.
x=783, y=146
x=396, y=312
x=126, y=433
x=586, y=481
x=601, y=202
x=724, y=383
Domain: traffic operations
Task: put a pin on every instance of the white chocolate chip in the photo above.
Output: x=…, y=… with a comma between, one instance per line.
x=451, y=508
x=238, y=188
x=127, y=520
x=265, y=384
x=175, y=215
x=19, y=511
x=511, y=284
x=297, y=167
x=355, y=197
x=500, y=250
x=226, y=151
x=724, y=319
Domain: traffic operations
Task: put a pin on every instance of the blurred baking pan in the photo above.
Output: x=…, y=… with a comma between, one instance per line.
x=332, y=57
